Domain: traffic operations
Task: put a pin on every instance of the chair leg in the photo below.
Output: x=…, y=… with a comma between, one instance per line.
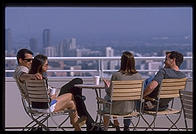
x=152, y=123
x=63, y=123
x=135, y=126
x=31, y=122
x=173, y=123
x=149, y=125
x=40, y=123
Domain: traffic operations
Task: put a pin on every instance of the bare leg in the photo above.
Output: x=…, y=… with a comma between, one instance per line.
x=62, y=101
x=116, y=123
x=106, y=121
x=66, y=101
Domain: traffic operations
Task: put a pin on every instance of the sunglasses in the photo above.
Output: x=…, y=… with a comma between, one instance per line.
x=28, y=60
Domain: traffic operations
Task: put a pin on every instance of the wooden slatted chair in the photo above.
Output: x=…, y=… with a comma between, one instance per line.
x=187, y=105
x=169, y=89
x=37, y=91
x=123, y=91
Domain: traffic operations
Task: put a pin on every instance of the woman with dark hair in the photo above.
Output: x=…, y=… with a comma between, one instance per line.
x=68, y=93
x=64, y=101
x=127, y=72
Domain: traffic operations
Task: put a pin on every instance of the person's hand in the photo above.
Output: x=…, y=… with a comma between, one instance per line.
x=107, y=82
x=38, y=76
x=53, y=97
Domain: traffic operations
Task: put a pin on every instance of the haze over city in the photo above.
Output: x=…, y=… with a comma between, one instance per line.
x=96, y=23
x=98, y=31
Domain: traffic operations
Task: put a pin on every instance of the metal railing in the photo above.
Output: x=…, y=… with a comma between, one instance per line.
x=100, y=60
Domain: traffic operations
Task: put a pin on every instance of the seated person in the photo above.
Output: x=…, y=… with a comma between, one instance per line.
x=173, y=60
x=127, y=72
x=24, y=58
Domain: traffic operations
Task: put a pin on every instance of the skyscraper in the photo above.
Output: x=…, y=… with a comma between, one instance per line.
x=50, y=51
x=73, y=43
x=110, y=64
x=33, y=45
x=46, y=38
x=109, y=52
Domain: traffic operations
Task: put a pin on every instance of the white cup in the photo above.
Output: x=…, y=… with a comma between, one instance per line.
x=52, y=90
x=96, y=80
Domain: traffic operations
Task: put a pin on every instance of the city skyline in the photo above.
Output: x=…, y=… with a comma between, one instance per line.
x=98, y=22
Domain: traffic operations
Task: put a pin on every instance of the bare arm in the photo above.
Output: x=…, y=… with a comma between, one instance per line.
x=106, y=82
x=150, y=88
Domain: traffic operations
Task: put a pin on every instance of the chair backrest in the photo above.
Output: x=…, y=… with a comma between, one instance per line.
x=187, y=103
x=127, y=90
x=170, y=88
x=37, y=91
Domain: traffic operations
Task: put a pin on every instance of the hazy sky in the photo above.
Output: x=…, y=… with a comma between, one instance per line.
x=100, y=20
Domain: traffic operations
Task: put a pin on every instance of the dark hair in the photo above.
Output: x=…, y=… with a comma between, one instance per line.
x=127, y=63
x=176, y=55
x=21, y=53
x=37, y=64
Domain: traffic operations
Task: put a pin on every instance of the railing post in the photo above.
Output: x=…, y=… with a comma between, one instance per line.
x=101, y=68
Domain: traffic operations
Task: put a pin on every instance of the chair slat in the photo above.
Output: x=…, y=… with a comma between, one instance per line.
x=39, y=100
x=187, y=93
x=170, y=96
x=38, y=96
x=188, y=107
x=128, y=82
x=166, y=84
x=126, y=90
x=187, y=102
x=174, y=80
x=36, y=84
x=186, y=97
x=125, y=98
x=36, y=92
x=37, y=88
x=188, y=111
x=167, y=88
x=167, y=92
x=127, y=94
x=127, y=86
x=189, y=116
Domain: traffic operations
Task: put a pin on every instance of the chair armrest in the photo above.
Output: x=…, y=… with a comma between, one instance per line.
x=101, y=100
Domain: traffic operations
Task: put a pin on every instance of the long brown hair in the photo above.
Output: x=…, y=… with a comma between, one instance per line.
x=37, y=64
x=127, y=63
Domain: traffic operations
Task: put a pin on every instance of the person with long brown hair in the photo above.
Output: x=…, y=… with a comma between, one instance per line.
x=127, y=71
x=64, y=101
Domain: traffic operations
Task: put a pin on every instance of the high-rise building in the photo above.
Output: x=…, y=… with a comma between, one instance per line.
x=50, y=51
x=46, y=38
x=109, y=52
x=8, y=40
x=72, y=44
x=112, y=63
x=63, y=48
x=33, y=45
x=60, y=48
